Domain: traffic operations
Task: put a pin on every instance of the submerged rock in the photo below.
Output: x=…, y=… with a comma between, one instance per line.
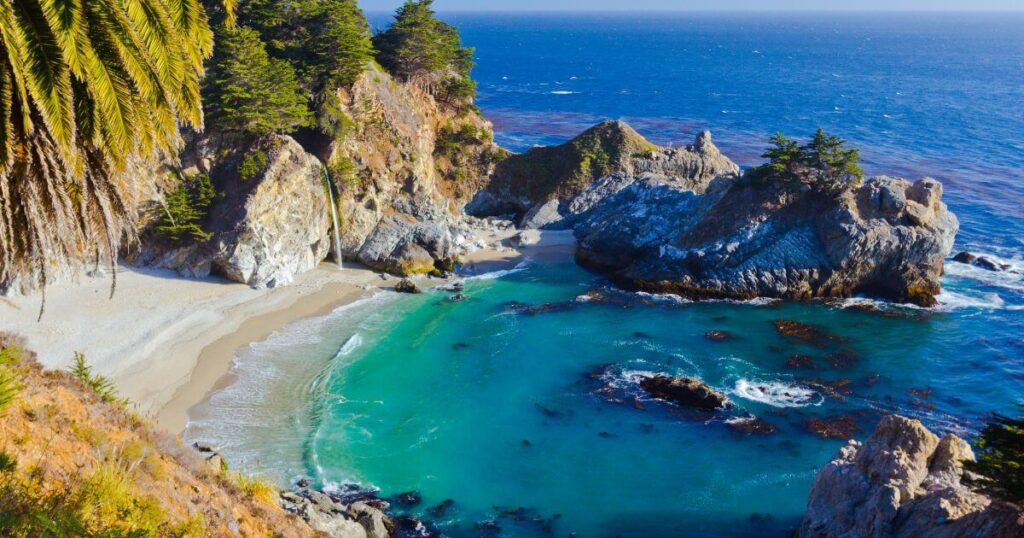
x=840, y=427
x=804, y=333
x=904, y=482
x=752, y=426
x=718, y=336
x=685, y=391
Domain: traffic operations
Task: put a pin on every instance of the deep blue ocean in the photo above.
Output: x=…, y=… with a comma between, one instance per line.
x=508, y=423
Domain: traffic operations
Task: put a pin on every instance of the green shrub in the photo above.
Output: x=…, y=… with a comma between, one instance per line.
x=10, y=356
x=253, y=164
x=1001, y=459
x=185, y=208
x=102, y=386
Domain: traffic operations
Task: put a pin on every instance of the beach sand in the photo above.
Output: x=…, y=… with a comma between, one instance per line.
x=167, y=342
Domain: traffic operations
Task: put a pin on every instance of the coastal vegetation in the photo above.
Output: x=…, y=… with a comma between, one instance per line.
x=75, y=462
x=185, y=208
x=824, y=161
x=420, y=48
x=1000, y=461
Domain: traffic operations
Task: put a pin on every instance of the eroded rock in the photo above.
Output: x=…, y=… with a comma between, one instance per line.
x=685, y=391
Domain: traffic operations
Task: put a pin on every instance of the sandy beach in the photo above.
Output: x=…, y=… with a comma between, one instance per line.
x=168, y=341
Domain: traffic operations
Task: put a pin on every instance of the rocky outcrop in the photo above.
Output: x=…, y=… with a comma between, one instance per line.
x=359, y=519
x=684, y=391
x=549, y=187
x=740, y=238
x=402, y=168
x=265, y=227
x=904, y=481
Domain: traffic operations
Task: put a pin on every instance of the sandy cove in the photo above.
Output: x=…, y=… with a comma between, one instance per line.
x=167, y=342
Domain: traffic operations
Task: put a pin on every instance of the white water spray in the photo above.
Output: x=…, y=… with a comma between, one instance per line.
x=334, y=217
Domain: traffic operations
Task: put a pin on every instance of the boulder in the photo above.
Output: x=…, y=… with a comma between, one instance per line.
x=903, y=482
x=407, y=286
x=359, y=519
x=685, y=391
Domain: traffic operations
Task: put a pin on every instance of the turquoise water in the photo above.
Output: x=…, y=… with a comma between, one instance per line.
x=530, y=419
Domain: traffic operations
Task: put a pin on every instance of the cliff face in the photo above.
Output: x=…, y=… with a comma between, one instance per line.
x=401, y=165
x=548, y=187
x=410, y=163
x=266, y=225
x=904, y=481
x=740, y=239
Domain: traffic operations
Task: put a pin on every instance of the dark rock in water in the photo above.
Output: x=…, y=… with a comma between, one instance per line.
x=718, y=336
x=641, y=334
x=606, y=435
x=804, y=333
x=455, y=286
x=201, y=448
x=990, y=265
x=551, y=413
x=844, y=358
x=684, y=391
x=526, y=443
x=488, y=528
x=458, y=346
x=839, y=427
x=303, y=483
x=407, y=499
x=923, y=394
x=407, y=286
x=410, y=527
x=964, y=257
x=547, y=308
x=457, y=298
x=753, y=426
x=440, y=510
x=801, y=361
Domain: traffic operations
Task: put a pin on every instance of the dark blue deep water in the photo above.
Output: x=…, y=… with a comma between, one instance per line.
x=504, y=413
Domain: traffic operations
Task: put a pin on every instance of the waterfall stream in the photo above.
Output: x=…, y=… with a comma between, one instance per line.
x=334, y=217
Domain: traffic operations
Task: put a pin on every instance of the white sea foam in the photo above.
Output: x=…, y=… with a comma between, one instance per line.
x=563, y=92
x=951, y=300
x=493, y=275
x=350, y=345
x=777, y=393
x=1011, y=279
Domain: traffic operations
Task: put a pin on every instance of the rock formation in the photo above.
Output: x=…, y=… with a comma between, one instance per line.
x=265, y=229
x=904, y=481
x=548, y=187
x=335, y=519
x=685, y=391
x=741, y=239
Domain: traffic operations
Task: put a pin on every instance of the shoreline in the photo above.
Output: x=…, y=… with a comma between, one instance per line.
x=167, y=342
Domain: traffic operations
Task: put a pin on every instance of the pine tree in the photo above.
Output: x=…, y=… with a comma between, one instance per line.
x=250, y=92
x=828, y=155
x=421, y=48
x=341, y=42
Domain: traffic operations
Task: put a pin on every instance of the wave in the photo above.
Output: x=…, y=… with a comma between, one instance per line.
x=1012, y=278
x=777, y=393
x=493, y=275
x=563, y=92
x=951, y=300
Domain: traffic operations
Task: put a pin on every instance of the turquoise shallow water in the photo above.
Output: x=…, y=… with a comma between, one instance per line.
x=414, y=393
x=497, y=408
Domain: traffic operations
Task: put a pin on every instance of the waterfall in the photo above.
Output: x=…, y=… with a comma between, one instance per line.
x=334, y=217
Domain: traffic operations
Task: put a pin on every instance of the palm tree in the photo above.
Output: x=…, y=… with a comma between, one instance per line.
x=86, y=87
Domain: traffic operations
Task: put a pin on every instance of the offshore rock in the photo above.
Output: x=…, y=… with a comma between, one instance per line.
x=548, y=187
x=903, y=482
x=685, y=391
x=742, y=239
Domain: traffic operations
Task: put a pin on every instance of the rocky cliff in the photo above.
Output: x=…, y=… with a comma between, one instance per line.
x=744, y=239
x=904, y=481
x=399, y=165
x=547, y=187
